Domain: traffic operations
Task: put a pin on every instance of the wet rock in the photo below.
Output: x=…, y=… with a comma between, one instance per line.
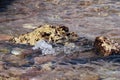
x=105, y=47
x=44, y=47
x=57, y=34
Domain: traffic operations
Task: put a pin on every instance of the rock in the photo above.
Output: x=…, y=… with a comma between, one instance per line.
x=56, y=34
x=17, y=51
x=105, y=47
x=21, y=52
x=45, y=47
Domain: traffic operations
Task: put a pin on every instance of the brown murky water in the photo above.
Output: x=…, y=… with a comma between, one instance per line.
x=88, y=18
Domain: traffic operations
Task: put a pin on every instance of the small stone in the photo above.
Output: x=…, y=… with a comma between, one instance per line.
x=45, y=47
x=105, y=47
x=17, y=51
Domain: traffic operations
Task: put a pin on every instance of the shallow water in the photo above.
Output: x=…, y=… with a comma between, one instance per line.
x=88, y=18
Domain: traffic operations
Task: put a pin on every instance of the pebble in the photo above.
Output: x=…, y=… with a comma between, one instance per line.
x=17, y=51
x=45, y=47
x=22, y=52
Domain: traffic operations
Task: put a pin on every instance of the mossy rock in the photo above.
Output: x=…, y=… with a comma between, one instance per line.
x=50, y=33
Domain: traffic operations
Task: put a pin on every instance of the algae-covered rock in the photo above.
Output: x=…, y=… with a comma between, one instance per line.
x=104, y=46
x=56, y=34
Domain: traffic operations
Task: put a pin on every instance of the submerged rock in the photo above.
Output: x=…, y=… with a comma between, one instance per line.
x=56, y=34
x=104, y=46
